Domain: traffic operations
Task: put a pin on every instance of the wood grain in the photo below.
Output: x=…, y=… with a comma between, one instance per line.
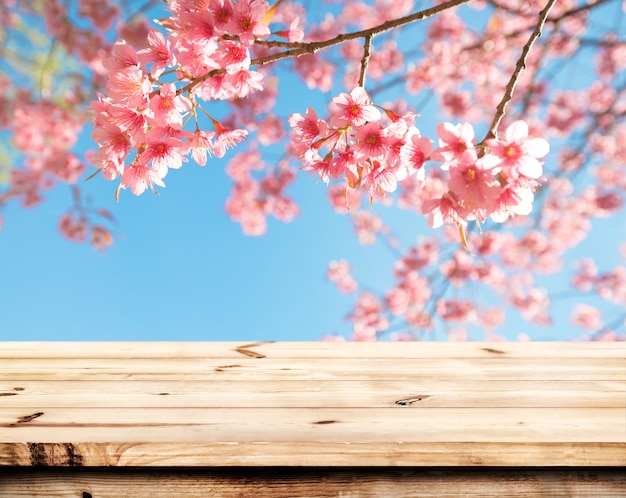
x=312, y=483
x=312, y=404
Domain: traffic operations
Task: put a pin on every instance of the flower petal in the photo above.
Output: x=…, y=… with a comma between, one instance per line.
x=516, y=131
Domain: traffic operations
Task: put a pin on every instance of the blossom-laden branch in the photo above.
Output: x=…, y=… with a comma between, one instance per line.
x=141, y=120
x=519, y=67
x=313, y=47
x=297, y=49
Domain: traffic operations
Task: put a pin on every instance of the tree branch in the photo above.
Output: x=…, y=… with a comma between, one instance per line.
x=519, y=67
x=313, y=47
x=365, y=60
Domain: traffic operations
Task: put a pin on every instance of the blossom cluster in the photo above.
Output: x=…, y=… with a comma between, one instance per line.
x=372, y=147
x=152, y=93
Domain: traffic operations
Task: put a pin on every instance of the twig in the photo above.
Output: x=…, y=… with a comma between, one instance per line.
x=519, y=67
x=565, y=15
x=367, y=44
x=519, y=12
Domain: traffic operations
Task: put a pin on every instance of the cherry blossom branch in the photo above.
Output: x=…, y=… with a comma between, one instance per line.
x=313, y=47
x=365, y=60
x=519, y=67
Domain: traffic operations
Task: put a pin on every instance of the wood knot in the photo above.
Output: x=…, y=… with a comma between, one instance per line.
x=411, y=400
x=55, y=455
x=246, y=351
x=494, y=351
x=26, y=418
x=224, y=367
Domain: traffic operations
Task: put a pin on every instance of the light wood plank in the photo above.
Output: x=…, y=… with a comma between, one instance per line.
x=346, y=394
x=391, y=365
x=340, y=387
x=342, y=399
x=338, y=394
x=313, y=368
x=363, y=483
x=330, y=350
x=248, y=374
x=313, y=454
x=308, y=404
x=316, y=424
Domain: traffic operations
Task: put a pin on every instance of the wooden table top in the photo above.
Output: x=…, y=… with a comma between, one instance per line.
x=313, y=404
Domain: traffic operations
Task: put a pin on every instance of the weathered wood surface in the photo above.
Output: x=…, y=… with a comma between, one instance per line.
x=313, y=404
x=311, y=483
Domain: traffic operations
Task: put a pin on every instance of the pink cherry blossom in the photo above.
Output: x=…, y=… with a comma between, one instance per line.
x=247, y=20
x=124, y=56
x=477, y=185
x=377, y=180
x=518, y=152
x=307, y=127
x=232, y=56
x=455, y=310
x=162, y=153
x=339, y=274
x=456, y=144
x=73, y=228
x=371, y=141
x=270, y=130
x=367, y=226
x=226, y=139
x=445, y=209
x=100, y=12
x=344, y=199
x=413, y=154
x=223, y=12
x=199, y=144
x=168, y=107
x=315, y=71
x=159, y=54
x=139, y=177
x=515, y=199
x=294, y=33
x=354, y=109
x=368, y=318
x=244, y=82
x=533, y=304
x=101, y=238
x=130, y=84
x=586, y=316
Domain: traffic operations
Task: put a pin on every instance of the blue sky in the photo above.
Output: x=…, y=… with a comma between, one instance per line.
x=180, y=269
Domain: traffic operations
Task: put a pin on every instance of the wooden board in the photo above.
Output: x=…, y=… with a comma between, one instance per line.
x=311, y=483
x=313, y=404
